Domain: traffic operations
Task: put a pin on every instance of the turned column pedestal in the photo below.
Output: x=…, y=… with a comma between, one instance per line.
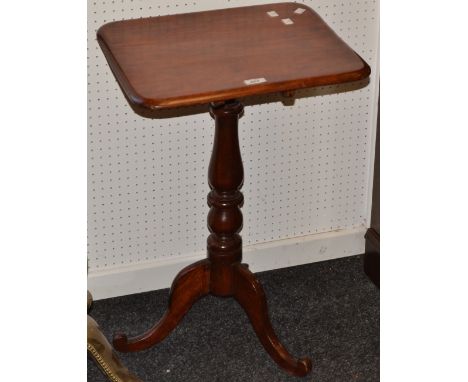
x=222, y=273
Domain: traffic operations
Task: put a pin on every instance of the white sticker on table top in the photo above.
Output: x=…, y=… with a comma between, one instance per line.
x=254, y=81
x=272, y=14
x=299, y=11
x=287, y=21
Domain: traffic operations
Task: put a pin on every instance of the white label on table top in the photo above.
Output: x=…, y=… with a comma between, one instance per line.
x=254, y=81
x=272, y=14
x=299, y=11
x=287, y=21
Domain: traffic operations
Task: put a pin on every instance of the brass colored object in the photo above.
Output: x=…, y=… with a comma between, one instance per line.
x=104, y=355
x=90, y=301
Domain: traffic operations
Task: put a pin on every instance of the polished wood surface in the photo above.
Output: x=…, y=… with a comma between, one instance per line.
x=222, y=273
x=186, y=59
x=190, y=284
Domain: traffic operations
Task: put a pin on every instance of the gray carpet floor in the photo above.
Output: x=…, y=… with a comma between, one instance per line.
x=328, y=311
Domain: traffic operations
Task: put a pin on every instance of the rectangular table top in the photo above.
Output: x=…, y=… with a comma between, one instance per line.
x=194, y=58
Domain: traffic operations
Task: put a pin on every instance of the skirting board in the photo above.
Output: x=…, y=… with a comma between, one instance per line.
x=144, y=277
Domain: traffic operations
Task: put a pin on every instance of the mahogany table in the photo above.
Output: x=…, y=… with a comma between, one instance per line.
x=216, y=57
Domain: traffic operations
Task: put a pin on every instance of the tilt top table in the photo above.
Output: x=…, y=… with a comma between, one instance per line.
x=216, y=57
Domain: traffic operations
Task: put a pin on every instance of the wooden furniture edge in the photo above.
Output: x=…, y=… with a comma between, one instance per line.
x=139, y=102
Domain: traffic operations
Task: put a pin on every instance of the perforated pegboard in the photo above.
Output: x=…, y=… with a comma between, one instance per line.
x=306, y=166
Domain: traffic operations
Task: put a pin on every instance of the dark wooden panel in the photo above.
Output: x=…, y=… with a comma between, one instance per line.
x=195, y=58
x=372, y=255
x=375, y=216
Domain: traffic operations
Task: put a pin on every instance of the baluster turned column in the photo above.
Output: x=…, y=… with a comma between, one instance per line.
x=225, y=177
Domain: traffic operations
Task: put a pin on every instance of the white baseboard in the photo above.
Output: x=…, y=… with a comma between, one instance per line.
x=144, y=277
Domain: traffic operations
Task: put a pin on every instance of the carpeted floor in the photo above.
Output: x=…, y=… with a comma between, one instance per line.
x=328, y=311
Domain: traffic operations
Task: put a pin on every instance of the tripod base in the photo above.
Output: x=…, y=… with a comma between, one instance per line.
x=191, y=284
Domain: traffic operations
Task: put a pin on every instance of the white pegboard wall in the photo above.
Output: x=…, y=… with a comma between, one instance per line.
x=306, y=166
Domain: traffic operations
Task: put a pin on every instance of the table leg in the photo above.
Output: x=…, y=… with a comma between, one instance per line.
x=222, y=273
x=189, y=285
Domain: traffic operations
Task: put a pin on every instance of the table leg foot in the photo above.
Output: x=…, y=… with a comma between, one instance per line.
x=190, y=284
x=250, y=295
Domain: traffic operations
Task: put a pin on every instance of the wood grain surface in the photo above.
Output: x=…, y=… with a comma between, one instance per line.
x=222, y=273
x=196, y=58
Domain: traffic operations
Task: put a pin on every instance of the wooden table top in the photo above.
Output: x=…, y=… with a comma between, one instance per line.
x=195, y=58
